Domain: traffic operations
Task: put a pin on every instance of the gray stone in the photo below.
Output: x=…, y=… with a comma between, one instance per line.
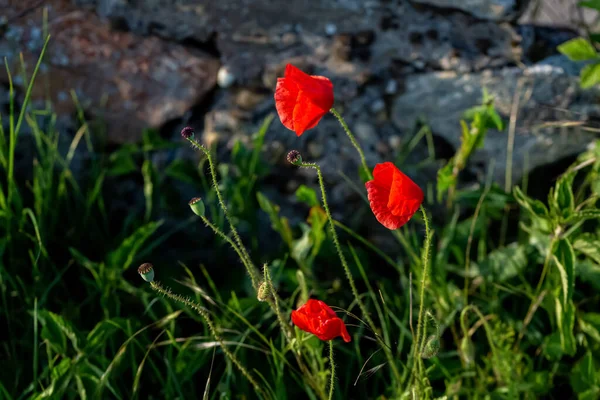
x=495, y=10
x=129, y=82
x=548, y=96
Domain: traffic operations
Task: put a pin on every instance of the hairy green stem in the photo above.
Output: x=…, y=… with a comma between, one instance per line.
x=342, y=258
x=241, y=251
x=245, y=256
x=353, y=140
x=274, y=300
x=204, y=314
x=249, y=267
x=332, y=384
x=425, y=262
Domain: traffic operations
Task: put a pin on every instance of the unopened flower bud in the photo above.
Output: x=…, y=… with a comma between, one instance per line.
x=146, y=271
x=187, y=132
x=294, y=157
x=263, y=292
x=431, y=348
x=197, y=206
x=467, y=350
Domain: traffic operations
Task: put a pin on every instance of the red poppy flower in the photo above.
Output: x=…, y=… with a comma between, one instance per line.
x=319, y=319
x=393, y=196
x=302, y=100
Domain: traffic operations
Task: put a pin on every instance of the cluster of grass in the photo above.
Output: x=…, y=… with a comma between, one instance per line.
x=510, y=301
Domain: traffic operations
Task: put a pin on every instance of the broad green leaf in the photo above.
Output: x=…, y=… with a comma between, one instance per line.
x=125, y=254
x=564, y=257
x=445, y=179
x=588, y=245
x=583, y=375
x=594, y=4
x=52, y=333
x=596, y=186
x=504, y=263
x=578, y=49
x=317, y=220
x=301, y=247
x=563, y=196
x=591, y=394
x=565, y=318
x=307, y=195
x=121, y=162
x=584, y=215
x=98, y=336
x=552, y=347
x=590, y=75
x=56, y=330
x=535, y=207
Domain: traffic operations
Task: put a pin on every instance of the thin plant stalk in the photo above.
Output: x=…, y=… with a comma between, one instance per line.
x=240, y=249
x=252, y=270
x=342, y=258
x=332, y=384
x=353, y=140
x=14, y=130
x=425, y=262
x=219, y=232
x=204, y=314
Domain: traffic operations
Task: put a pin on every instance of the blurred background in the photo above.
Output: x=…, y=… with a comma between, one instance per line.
x=103, y=170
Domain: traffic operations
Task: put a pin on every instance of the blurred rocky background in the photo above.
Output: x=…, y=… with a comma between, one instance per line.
x=395, y=64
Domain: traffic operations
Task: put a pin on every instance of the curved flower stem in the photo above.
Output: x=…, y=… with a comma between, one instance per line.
x=342, y=258
x=332, y=384
x=222, y=234
x=204, y=314
x=252, y=270
x=425, y=262
x=353, y=140
x=241, y=251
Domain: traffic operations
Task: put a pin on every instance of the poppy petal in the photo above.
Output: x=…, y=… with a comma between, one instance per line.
x=300, y=320
x=286, y=94
x=302, y=100
x=378, y=198
x=333, y=328
x=306, y=114
x=405, y=196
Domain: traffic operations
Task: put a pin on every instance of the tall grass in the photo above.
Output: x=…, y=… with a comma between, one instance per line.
x=513, y=320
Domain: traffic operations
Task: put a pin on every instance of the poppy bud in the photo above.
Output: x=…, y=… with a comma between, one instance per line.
x=431, y=348
x=294, y=157
x=187, y=132
x=263, y=292
x=146, y=271
x=467, y=350
x=197, y=206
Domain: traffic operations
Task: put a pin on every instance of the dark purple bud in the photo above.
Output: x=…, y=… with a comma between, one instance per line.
x=187, y=132
x=294, y=157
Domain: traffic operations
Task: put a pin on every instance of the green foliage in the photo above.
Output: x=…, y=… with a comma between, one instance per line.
x=583, y=50
x=578, y=49
x=481, y=118
x=510, y=316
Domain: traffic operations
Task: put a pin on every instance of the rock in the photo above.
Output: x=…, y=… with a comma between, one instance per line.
x=548, y=96
x=130, y=83
x=557, y=13
x=495, y=10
